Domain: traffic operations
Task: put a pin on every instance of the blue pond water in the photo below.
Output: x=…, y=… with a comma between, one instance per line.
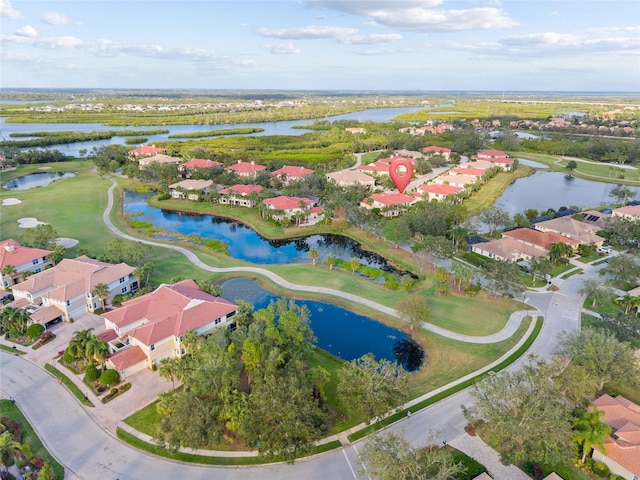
x=40, y=179
x=244, y=243
x=340, y=332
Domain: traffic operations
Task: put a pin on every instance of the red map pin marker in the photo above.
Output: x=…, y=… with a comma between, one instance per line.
x=401, y=171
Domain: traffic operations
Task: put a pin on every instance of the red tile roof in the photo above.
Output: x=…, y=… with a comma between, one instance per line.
x=241, y=189
x=434, y=149
x=292, y=172
x=439, y=189
x=542, y=239
x=379, y=166
x=12, y=253
x=127, y=357
x=287, y=203
x=476, y=172
x=492, y=154
x=389, y=198
x=245, y=167
x=199, y=163
x=147, y=150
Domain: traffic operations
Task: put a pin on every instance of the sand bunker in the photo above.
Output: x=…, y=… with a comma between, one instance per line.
x=29, y=222
x=66, y=242
x=10, y=201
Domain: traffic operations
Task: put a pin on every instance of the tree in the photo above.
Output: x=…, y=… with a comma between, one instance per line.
x=34, y=330
x=495, y=217
x=14, y=320
x=96, y=350
x=391, y=457
x=503, y=277
x=559, y=250
x=47, y=472
x=622, y=194
x=590, y=431
x=41, y=236
x=520, y=220
x=571, y=165
x=355, y=264
x=77, y=346
x=540, y=267
x=526, y=415
x=414, y=309
x=599, y=292
x=10, y=449
x=211, y=288
x=144, y=272
x=442, y=276
x=109, y=377
x=376, y=387
x=331, y=261
x=91, y=374
x=628, y=302
x=463, y=275
x=601, y=356
x=9, y=270
x=101, y=290
x=57, y=254
x=397, y=231
x=314, y=254
x=531, y=213
x=623, y=269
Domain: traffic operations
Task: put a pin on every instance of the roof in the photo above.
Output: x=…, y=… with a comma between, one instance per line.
x=629, y=210
x=390, y=198
x=439, y=189
x=147, y=150
x=350, y=176
x=476, y=172
x=199, y=163
x=241, y=189
x=286, y=203
x=170, y=310
x=379, y=166
x=483, y=476
x=12, y=253
x=245, y=167
x=192, y=184
x=623, y=446
x=127, y=357
x=159, y=158
x=292, y=172
x=481, y=164
x=509, y=249
x=553, y=476
x=459, y=179
x=434, y=149
x=46, y=314
x=571, y=228
x=542, y=239
x=492, y=154
x=73, y=277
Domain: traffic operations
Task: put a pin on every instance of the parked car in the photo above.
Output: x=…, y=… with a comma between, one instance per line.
x=606, y=250
x=6, y=298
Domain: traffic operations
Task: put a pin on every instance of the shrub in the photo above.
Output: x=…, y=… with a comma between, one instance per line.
x=109, y=377
x=600, y=469
x=125, y=387
x=67, y=357
x=91, y=374
x=113, y=391
x=34, y=330
x=38, y=462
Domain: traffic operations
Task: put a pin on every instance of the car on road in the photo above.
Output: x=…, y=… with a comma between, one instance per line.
x=606, y=250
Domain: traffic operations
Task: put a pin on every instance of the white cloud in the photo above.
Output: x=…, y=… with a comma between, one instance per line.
x=307, y=33
x=6, y=10
x=283, y=49
x=55, y=18
x=614, y=30
x=26, y=31
x=420, y=16
x=554, y=14
x=374, y=39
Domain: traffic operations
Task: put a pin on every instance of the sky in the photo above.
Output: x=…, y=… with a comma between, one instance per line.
x=508, y=45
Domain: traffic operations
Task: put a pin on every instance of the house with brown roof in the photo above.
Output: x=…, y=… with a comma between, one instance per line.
x=539, y=239
x=289, y=174
x=456, y=180
x=407, y=153
x=146, y=151
x=245, y=169
x=507, y=249
x=22, y=259
x=571, y=228
x=190, y=189
x=379, y=167
x=434, y=150
x=147, y=329
x=621, y=451
x=496, y=157
x=391, y=204
x=474, y=172
x=187, y=169
x=629, y=212
x=68, y=287
x=595, y=218
x=351, y=178
x=158, y=158
x=439, y=192
x=305, y=209
x=240, y=195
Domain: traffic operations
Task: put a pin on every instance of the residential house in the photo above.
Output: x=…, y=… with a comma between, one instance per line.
x=456, y=180
x=146, y=151
x=480, y=164
x=390, y=204
x=629, y=212
x=67, y=289
x=22, y=259
x=571, y=228
x=496, y=157
x=434, y=150
x=439, y=192
x=539, y=239
x=289, y=174
x=379, y=167
x=507, y=249
x=147, y=329
x=191, y=189
x=595, y=218
x=158, y=158
x=240, y=195
x=246, y=169
x=287, y=207
x=354, y=130
x=621, y=451
x=351, y=178
x=407, y=153
x=474, y=172
x=187, y=169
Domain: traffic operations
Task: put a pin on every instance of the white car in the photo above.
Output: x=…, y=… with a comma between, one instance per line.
x=606, y=250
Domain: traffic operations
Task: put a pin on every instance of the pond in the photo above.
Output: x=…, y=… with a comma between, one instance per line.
x=244, y=243
x=40, y=179
x=342, y=333
x=270, y=128
x=531, y=163
x=544, y=190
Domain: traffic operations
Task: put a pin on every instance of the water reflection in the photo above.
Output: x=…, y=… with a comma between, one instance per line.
x=39, y=179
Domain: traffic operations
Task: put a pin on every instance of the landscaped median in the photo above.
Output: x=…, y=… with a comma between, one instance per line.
x=143, y=442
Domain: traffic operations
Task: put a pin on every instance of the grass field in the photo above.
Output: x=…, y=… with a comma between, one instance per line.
x=29, y=436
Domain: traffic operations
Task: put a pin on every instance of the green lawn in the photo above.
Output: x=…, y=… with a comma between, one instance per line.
x=29, y=436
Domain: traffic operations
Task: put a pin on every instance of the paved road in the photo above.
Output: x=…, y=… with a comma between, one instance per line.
x=91, y=453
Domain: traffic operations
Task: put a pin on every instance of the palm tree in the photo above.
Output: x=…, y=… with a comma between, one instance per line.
x=9, y=270
x=628, y=302
x=95, y=350
x=10, y=450
x=559, y=250
x=101, y=290
x=591, y=431
x=77, y=346
x=355, y=264
x=314, y=254
x=331, y=261
x=145, y=272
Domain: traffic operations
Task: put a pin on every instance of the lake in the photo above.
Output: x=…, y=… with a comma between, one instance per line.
x=270, y=128
x=40, y=179
x=342, y=333
x=244, y=243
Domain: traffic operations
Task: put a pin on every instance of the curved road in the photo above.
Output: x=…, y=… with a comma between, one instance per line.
x=91, y=453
